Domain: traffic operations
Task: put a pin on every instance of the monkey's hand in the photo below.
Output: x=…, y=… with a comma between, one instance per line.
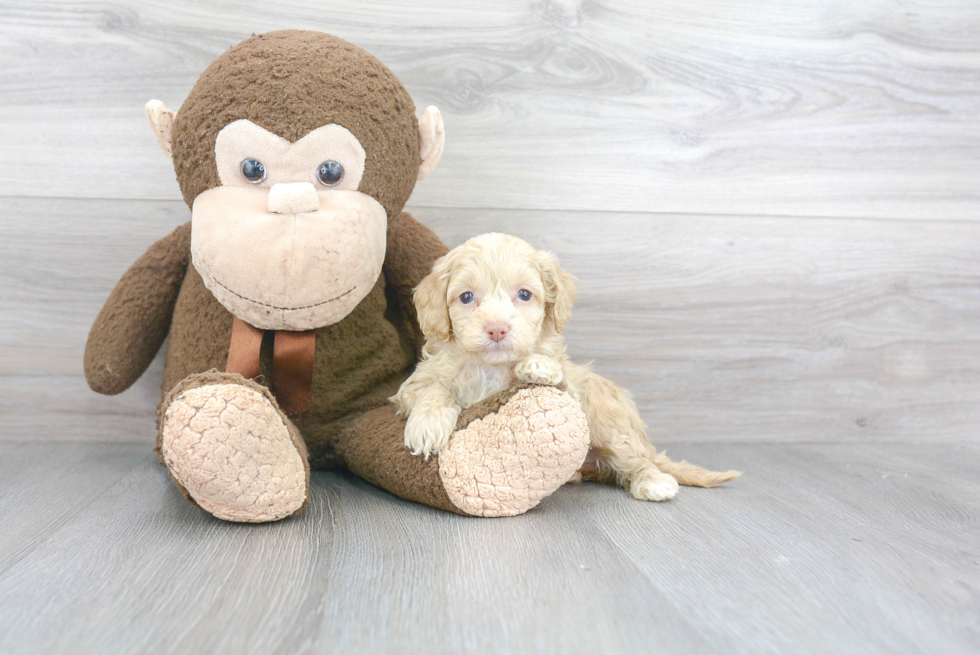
x=539, y=369
x=136, y=318
x=428, y=430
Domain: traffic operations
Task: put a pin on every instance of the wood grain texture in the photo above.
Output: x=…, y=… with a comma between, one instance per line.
x=835, y=108
x=724, y=328
x=818, y=549
x=670, y=154
x=44, y=486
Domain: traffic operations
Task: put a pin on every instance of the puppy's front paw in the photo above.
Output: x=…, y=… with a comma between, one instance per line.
x=427, y=431
x=653, y=485
x=538, y=369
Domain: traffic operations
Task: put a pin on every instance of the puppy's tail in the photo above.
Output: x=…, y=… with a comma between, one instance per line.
x=691, y=475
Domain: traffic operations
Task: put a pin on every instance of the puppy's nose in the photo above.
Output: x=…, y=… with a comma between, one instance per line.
x=497, y=331
x=293, y=198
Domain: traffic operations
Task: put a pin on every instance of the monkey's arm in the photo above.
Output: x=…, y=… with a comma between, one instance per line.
x=411, y=251
x=135, y=319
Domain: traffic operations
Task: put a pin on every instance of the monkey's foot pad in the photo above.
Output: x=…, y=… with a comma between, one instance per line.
x=229, y=447
x=506, y=462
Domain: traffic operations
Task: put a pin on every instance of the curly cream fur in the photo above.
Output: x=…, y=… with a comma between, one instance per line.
x=462, y=363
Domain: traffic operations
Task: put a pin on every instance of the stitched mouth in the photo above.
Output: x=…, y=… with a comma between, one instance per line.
x=271, y=306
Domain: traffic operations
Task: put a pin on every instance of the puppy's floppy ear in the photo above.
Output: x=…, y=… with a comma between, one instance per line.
x=559, y=290
x=430, y=302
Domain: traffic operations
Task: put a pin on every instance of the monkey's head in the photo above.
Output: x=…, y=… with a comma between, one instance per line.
x=293, y=150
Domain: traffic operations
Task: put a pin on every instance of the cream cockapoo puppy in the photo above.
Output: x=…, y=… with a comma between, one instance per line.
x=492, y=312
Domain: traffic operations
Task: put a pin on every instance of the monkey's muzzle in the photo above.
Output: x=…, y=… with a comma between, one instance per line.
x=298, y=268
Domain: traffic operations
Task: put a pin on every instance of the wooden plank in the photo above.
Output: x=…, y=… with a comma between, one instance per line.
x=43, y=486
x=724, y=328
x=761, y=329
x=818, y=549
x=59, y=259
x=63, y=408
x=331, y=579
x=824, y=549
x=817, y=109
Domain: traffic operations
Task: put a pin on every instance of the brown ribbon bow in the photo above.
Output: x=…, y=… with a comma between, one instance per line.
x=292, y=363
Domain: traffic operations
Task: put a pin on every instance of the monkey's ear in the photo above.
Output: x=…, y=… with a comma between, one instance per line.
x=161, y=121
x=430, y=302
x=559, y=290
x=432, y=137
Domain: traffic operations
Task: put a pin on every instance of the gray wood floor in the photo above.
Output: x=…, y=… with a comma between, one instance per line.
x=821, y=549
x=773, y=209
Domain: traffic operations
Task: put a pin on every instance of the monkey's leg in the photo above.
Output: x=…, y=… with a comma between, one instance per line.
x=231, y=451
x=507, y=454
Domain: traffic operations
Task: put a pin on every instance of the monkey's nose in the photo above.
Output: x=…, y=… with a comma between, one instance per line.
x=293, y=198
x=497, y=331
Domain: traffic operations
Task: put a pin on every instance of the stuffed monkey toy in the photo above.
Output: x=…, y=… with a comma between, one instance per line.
x=288, y=298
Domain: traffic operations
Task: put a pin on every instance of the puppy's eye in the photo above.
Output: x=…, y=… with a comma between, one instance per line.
x=466, y=298
x=253, y=171
x=524, y=295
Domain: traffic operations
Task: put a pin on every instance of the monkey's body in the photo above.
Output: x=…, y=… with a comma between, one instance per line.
x=296, y=152
x=359, y=362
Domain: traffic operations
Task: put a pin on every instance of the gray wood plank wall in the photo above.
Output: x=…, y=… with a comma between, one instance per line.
x=772, y=207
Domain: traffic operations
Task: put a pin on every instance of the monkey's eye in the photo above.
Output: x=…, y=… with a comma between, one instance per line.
x=524, y=295
x=330, y=173
x=253, y=171
x=466, y=298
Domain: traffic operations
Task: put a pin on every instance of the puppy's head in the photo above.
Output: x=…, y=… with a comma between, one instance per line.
x=495, y=296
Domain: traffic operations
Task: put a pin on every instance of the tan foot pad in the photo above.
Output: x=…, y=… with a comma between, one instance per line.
x=506, y=462
x=229, y=447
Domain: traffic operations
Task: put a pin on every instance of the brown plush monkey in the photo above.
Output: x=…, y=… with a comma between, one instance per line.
x=288, y=298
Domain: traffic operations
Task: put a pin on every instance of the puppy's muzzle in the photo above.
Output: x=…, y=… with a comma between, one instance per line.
x=497, y=330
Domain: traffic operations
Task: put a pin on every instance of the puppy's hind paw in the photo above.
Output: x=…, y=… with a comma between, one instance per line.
x=655, y=486
x=538, y=369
